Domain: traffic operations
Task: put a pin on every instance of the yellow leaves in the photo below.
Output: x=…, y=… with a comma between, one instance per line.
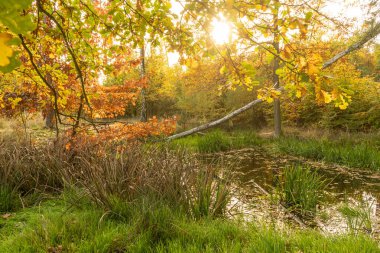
x=5, y=50
x=327, y=96
x=341, y=98
x=287, y=52
x=302, y=62
x=343, y=106
x=312, y=69
x=192, y=63
x=293, y=24
x=268, y=94
x=229, y=4
x=343, y=101
x=14, y=102
x=298, y=94
x=223, y=70
x=269, y=100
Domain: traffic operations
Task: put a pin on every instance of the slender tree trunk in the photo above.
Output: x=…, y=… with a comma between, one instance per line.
x=50, y=111
x=143, y=115
x=276, y=79
x=50, y=117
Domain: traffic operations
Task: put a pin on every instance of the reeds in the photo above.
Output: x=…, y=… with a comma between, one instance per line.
x=301, y=190
x=131, y=173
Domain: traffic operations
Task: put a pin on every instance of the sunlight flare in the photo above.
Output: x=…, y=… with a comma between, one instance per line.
x=221, y=30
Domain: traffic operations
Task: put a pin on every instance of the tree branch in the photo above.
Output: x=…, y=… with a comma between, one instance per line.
x=72, y=54
x=49, y=85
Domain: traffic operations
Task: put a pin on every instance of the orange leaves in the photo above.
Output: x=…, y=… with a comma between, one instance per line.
x=112, y=101
x=123, y=133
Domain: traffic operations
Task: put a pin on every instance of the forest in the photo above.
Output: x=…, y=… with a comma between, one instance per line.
x=189, y=126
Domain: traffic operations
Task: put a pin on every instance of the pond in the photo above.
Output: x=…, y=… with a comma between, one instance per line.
x=350, y=202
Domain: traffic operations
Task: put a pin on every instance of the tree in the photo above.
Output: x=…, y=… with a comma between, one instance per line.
x=367, y=36
x=295, y=63
x=72, y=42
x=64, y=54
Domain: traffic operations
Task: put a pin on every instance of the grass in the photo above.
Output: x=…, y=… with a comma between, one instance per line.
x=358, y=155
x=8, y=199
x=301, y=190
x=356, y=151
x=141, y=199
x=71, y=225
x=200, y=188
x=358, y=217
x=219, y=141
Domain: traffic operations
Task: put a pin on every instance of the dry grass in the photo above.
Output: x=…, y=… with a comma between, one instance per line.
x=173, y=176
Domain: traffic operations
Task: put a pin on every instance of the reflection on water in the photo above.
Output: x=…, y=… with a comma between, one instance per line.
x=351, y=197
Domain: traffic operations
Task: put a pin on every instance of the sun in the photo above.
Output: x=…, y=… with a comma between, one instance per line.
x=221, y=30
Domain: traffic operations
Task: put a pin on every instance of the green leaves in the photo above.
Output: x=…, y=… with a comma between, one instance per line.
x=18, y=23
x=11, y=17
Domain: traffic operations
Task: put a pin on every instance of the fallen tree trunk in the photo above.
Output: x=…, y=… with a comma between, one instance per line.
x=216, y=122
x=370, y=34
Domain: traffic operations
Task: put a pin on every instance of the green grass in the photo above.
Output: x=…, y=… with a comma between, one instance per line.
x=352, y=154
x=358, y=217
x=218, y=141
x=301, y=190
x=356, y=151
x=73, y=225
x=9, y=200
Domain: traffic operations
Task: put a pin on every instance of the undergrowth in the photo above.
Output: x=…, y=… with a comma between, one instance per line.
x=219, y=141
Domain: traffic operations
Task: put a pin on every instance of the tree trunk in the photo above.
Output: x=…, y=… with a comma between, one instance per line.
x=50, y=111
x=216, y=122
x=50, y=118
x=276, y=79
x=143, y=115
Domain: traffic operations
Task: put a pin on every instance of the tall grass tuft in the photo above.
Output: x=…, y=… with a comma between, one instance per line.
x=175, y=177
x=8, y=199
x=127, y=175
x=210, y=195
x=301, y=190
x=213, y=142
x=358, y=217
